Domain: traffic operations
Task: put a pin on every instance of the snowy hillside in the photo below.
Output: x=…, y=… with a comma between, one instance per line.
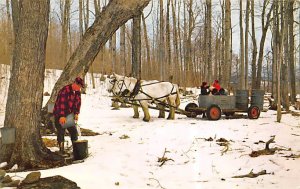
x=126, y=153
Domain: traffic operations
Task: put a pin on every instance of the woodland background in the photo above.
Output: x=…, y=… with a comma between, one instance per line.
x=243, y=43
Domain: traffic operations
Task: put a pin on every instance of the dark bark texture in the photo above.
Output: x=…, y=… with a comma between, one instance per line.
x=25, y=92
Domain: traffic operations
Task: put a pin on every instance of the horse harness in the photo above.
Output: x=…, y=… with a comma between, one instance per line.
x=116, y=82
x=138, y=88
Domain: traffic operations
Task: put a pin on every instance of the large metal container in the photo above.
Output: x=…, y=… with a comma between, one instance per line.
x=224, y=102
x=257, y=98
x=242, y=99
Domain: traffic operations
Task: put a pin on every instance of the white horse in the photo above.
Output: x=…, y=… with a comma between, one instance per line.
x=164, y=94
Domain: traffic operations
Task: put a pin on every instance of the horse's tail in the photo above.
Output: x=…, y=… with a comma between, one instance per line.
x=177, y=100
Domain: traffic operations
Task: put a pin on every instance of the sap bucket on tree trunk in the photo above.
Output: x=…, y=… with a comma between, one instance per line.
x=80, y=149
x=257, y=98
x=242, y=98
x=8, y=135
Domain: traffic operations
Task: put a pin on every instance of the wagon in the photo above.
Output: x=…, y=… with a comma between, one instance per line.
x=214, y=105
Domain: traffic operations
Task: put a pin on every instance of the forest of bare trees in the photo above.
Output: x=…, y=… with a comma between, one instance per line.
x=242, y=43
x=184, y=41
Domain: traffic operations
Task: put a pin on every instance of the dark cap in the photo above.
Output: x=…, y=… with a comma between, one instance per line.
x=79, y=81
x=216, y=81
x=204, y=83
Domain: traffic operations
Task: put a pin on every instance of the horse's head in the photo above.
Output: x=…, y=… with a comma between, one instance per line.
x=117, y=84
x=111, y=82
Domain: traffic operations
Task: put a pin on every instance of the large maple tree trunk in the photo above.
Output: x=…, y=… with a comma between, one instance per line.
x=116, y=13
x=25, y=92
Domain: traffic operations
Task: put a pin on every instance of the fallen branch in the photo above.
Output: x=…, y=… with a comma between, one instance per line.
x=225, y=143
x=252, y=175
x=293, y=156
x=164, y=159
x=266, y=151
x=295, y=134
x=226, y=148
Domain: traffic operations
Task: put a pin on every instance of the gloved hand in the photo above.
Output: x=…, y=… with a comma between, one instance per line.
x=76, y=117
x=62, y=120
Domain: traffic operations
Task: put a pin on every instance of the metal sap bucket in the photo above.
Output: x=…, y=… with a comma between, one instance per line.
x=242, y=99
x=70, y=121
x=80, y=149
x=257, y=98
x=50, y=107
x=8, y=135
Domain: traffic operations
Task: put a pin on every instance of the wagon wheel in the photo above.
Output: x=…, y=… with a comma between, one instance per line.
x=188, y=108
x=253, y=112
x=213, y=112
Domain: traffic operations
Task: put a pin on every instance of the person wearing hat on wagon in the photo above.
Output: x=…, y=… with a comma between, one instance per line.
x=204, y=89
x=68, y=101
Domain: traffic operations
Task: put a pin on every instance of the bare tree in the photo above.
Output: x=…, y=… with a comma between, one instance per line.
x=116, y=13
x=242, y=65
x=227, y=38
x=254, y=46
x=246, y=43
x=188, y=46
x=65, y=17
x=285, y=62
x=265, y=27
x=136, y=47
x=209, y=40
x=123, y=49
x=176, y=66
x=31, y=29
x=97, y=7
x=168, y=43
x=292, y=72
x=161, y=55
x=80, y=19
x=148, y=54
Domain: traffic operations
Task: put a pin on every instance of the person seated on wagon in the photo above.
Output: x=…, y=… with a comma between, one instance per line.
x=204, y=89
x=217, y=90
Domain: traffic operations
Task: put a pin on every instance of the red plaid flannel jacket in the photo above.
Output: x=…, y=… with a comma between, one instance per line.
x=68, y=101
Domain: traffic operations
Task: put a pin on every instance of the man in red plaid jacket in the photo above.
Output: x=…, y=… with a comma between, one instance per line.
x=68, y=101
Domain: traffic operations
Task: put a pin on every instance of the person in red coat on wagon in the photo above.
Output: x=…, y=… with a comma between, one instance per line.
x=68, y=101
x=217, y=89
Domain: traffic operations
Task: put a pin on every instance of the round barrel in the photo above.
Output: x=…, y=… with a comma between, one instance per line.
x=241, y=100
x=80, y=149
x=257, y=98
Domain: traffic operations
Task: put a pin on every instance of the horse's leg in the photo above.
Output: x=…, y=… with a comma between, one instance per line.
x=144, y=105
x=135, y=110
x=115, y=104
x=161, y=110
x=171, y=102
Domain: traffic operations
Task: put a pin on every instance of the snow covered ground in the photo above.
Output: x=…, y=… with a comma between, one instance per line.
x=132, y=163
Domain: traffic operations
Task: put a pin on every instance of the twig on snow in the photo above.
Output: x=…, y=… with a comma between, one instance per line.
x=252, y=175
x=164, y=159
x=157, y=182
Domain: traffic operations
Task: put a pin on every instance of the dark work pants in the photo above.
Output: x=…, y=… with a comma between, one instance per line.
x=61, y=132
